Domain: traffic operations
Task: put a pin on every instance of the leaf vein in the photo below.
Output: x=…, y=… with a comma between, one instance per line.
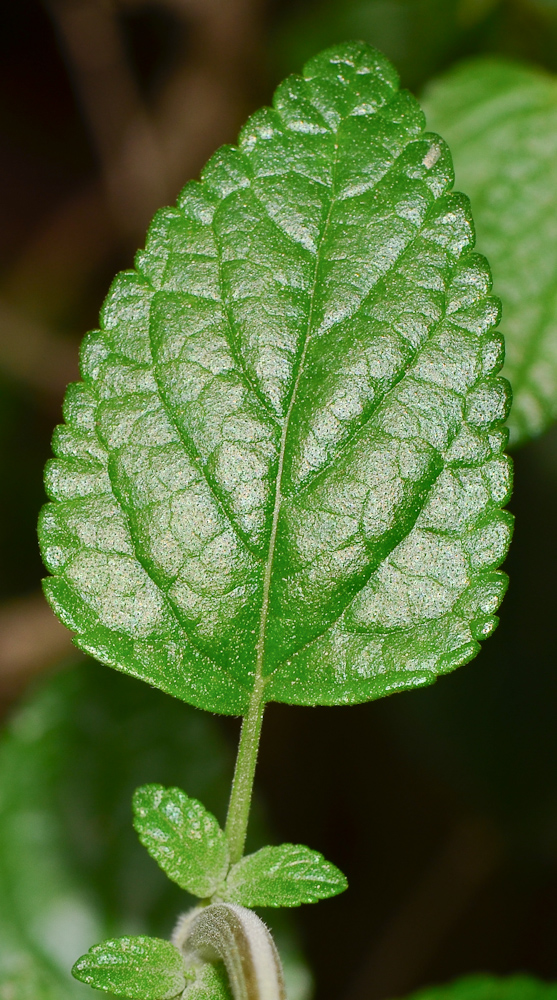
x=124, y=508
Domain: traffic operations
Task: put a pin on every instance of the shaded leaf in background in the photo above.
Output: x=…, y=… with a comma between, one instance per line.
x=285, y=460
x=500, y=119
x=287, y=875
x=422, y=37
x=487, y=987
x=183, y=838
x=417, y=35
x=71, y=867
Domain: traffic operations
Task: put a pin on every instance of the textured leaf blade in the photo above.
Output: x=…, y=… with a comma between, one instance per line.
x=287, y=875
x=183, y=838
x=285, y=457
x=500, y=119
x=141, y=968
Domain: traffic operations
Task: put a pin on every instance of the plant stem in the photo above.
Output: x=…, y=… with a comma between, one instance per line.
x=241, y=940
x=242, y=785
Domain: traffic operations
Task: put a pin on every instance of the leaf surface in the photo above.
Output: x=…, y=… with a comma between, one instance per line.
x=285, y=457
x=183, y=838
x=500, y=119
x=141, y=968
x=287, y=875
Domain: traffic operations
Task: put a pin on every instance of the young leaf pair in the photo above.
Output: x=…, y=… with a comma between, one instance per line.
x=190, y=846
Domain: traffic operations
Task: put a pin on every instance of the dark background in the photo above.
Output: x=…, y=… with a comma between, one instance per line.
x=440, y=805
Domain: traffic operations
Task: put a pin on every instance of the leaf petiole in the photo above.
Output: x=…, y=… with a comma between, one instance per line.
x=242, y=784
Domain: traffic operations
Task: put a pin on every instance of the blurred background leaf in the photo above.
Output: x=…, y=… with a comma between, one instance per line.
x=440, y=805
x=500, y=120
x=491, y=988
x=422, y=37
x=72, y=870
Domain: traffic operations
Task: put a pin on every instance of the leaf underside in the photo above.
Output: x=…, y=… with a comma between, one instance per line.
x=500, y=119
x=287, y=448
x=183, y=838
x=288, y=875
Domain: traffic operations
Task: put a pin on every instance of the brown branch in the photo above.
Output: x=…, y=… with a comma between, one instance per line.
x=52, y=274
x=54, y=269
x=33, y=354
x=202, y=105
x=126, y=143
x=31, y=639
x=210, y=95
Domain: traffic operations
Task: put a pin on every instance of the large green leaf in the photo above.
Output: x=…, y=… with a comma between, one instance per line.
x=501, y=122
x=72, y=870
x=285, y=457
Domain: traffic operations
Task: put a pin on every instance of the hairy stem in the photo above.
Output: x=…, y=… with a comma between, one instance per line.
x=237, y=937
x=242, y=785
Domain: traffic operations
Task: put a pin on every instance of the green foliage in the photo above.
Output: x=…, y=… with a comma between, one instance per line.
x=283, y=876
x=500, y=119
x=141, y=968
x=285, y=458
x=183, y=838
x=486, y=987
x=72, y=870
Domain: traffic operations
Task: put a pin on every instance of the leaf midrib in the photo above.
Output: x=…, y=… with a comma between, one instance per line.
x=267, y=575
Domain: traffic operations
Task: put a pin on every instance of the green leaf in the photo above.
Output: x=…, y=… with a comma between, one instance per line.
x=283, y=876
x=211, y=983
x=33, y=981
x=141, y=968
x=500, y=119
x=184, y=838
x=485, y=987
x=285, y=457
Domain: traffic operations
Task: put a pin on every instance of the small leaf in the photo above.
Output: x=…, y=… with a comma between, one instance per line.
x=500, y=119
x=283, y=876
x=140, y=968
x=183, y=838
x=211, y=983
x=284, y=463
